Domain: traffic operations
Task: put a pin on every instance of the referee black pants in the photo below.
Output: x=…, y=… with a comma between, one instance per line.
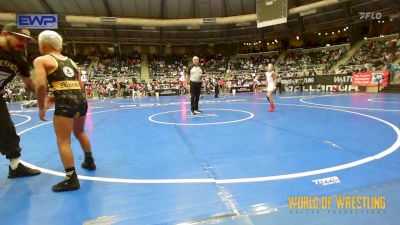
x=195, y=91
x=9, y=140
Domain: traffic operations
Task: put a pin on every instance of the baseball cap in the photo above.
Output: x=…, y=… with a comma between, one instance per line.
x=12, y=28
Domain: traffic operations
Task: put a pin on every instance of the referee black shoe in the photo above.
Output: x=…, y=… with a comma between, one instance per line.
x=193, y=113
x=22, y=171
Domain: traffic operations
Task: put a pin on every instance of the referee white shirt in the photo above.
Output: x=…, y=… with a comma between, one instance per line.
x=195, y=73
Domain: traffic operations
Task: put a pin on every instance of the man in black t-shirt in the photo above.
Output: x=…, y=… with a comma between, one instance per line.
x=12, y=42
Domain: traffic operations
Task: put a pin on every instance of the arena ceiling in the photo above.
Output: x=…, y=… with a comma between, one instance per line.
x=334, y=16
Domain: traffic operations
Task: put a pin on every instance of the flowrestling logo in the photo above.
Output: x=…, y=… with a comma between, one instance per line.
x=37, y=21
x=370, y=15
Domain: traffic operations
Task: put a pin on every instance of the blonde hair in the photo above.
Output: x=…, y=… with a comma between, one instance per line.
x=272, y=66
x=51, y=39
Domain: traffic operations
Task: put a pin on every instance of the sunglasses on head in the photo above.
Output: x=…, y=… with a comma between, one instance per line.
x=21, y=39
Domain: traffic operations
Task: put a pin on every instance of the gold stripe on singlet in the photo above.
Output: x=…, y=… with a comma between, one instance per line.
x=66, y=85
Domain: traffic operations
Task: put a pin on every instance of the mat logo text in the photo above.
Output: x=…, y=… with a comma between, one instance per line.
x=327, y=181
x=357, y=202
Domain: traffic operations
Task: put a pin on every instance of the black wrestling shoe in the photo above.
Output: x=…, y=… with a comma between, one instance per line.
x=193, y=113
x=22, y=171
x=89, y=164
x=68, y=184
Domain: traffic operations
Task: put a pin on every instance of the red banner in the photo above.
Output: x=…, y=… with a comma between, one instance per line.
x=371, y=79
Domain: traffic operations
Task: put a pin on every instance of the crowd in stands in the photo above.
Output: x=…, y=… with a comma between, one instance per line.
x=178, y=84
x=118, y=65
x=295, y=64
x=374, y=55
x=311, y=63
x=83, y=60
x=111, y=87
x=117, y=76
x=100, y=65
x=215, y=63
x=169, y=72
x=254, y=62
x=16, y=92
x=174, y=65
x=168, y=66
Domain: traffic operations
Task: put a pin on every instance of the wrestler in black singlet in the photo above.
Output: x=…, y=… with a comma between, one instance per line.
x=70, y=99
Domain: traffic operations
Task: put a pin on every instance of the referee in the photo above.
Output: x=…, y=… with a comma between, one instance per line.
x=195, y=74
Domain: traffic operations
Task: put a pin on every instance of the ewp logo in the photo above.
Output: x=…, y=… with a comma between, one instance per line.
x=37, y=21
